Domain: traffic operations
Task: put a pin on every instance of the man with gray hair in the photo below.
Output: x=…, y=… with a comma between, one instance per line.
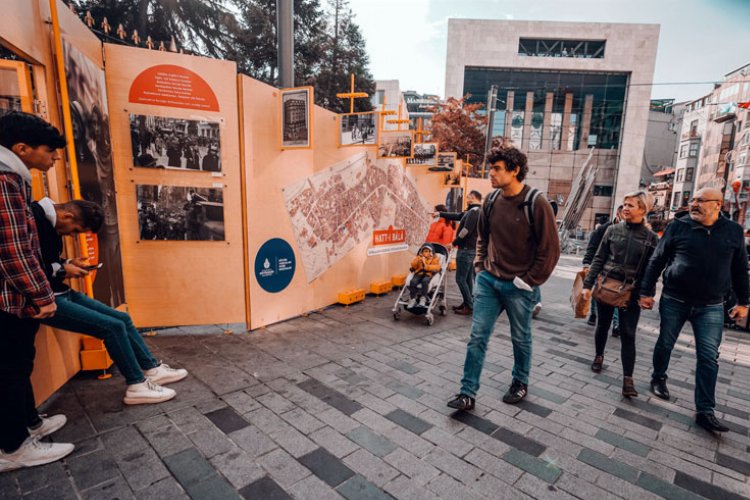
x=704, y=255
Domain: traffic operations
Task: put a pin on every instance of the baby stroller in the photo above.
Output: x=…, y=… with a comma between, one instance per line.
x=436, y=289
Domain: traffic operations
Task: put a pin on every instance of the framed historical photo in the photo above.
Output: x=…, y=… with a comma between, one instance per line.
x=358, y=129
x=446, y=162
x=161, y=142
x=396, y=144
x=425, y=153
x=180, y=213
x=296, y=118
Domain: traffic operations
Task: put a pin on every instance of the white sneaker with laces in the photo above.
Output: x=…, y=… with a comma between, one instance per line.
x=49, y=425
x=423, y=301
x=147, y=392
x=537, y=309
x=412, y=303
x=164, y=375
x=34, y=452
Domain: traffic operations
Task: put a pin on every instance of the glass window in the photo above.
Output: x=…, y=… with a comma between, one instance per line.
x=676, y=200
x=680, y=175
x=544, y=47
x=516, y=128
x=693, y=149
x=602, y=190
x=689, y=172
x=684, y=151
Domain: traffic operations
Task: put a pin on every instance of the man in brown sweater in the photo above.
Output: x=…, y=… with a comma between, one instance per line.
x=517, y=250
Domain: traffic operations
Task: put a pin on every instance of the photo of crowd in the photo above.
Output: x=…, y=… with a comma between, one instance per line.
x=180, y=213
x=358, y=129
x=446, y=162
x=424, y=154
x=396, y=144
x=160, y=142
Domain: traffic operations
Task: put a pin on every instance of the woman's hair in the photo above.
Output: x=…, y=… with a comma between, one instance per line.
x=644, y=199
x=443, y=208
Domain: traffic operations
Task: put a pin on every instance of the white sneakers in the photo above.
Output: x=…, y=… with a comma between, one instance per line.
x=423, y=301
x=412, y=303
x=537, y=309
x=49, y=425
x=147, y=392
x=164, y=375
x=34, y=452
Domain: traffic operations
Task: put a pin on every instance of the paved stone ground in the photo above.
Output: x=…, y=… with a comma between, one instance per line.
x=348, y=403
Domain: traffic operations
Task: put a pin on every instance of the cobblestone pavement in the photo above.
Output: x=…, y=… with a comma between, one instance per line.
x=349, y=403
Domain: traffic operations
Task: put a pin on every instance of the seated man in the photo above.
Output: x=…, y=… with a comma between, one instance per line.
x=424, y=265
x=78, y=313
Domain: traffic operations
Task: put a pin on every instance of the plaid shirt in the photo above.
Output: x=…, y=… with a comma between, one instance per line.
x=23, y=286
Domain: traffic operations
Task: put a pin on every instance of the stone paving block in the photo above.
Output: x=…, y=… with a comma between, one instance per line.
x=554, y=397
x=540, y=489
x=116, y=488
x=736, y=486
x=211, y=441
x=142, y=468
x=237, y=467
x=409, y=441
x=536, y=409
x=741, y=466
x=92, y=469
x=358, y=488
x=253, y=441
x=276, y=403
x=302, y=420
x=411, y=466
x=614, y=467
x=312, y=488
x=283, y=468
x=704, y=488
x=407, y=390
x=333, y=441
x=33, y=478
x=638, y=419
x=330, y=396
x=59, y=490
x=445, y=486
x=489, y=463
x=371, y=467
x=404, y=489
x=375, y=443
x=409, y=421
x=373, y=420
x=209, y=405
x=227, y=420
x=326, y=466
x=212, y=488
x=167, y=440
x=403, y=366
x=519, y=441
x=338, y=420
x=452, y=465
x=167, y=488
x=447, y=441
x=188, y=467
x=478, y=423
x=664, y=489
x=545, y=471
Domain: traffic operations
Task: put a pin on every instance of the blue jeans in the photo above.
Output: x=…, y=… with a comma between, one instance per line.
x=465, y=275
x=78, y=313
x=708, y=327
x=492, y=296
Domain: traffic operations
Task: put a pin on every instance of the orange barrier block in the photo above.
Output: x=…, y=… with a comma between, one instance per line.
x=452, y=265
x=381, y=287
x=351, y=296
x=398, y=279
x=94, y=355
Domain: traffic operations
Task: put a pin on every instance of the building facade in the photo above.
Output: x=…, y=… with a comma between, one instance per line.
x=559, y=94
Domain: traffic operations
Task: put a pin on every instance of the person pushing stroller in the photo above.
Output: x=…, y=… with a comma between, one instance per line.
x=424, y=266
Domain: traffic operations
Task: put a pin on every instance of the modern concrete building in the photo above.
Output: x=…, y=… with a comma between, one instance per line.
x=662, y=139
x=562, y=88
x=389, y=91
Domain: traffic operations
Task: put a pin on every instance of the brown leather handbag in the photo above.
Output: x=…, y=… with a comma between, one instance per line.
x=612, y=292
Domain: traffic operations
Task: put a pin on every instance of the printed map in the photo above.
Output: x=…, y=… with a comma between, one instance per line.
x=335, y=210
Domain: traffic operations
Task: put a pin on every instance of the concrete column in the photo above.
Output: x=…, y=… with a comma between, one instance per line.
x=586, y=121
x=565, y=135
x=508, y=112
x=527, y=119
x=546, y=132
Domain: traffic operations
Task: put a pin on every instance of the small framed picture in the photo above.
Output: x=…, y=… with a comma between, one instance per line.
x=396, y=144
x=446, y=162
x=296, y=118
x=425, y=153
x=358, y=129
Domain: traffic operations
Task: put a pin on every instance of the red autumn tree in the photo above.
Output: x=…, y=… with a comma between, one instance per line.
x=458, y=126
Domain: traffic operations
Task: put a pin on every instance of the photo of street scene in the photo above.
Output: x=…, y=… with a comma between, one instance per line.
x=446, y=162
x=295, y=118
x=424, y=154
x=358, y=129
x=160, y=142
x=395, y=144
x=180, y=213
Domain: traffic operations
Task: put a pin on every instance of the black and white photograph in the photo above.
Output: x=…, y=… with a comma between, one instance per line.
x=162, y=142
x=446, y=162
x=454, y=200
x=395, y=144
x=295, y=118
x=180, y=213
x=425, y=153
x=358, y=129
x=93, y=149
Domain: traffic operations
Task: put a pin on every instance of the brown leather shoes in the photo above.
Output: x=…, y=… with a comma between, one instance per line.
x=464, y=311
x=596, y=366
x=628, y=388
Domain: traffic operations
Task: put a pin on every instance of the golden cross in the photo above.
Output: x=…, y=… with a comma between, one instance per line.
x=399, y=120
x=351, y=95
x=420, y=132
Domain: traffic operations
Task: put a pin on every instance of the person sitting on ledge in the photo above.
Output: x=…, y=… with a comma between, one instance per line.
x=76, y=312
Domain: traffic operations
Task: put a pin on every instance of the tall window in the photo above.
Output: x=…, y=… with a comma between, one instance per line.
x=689, y=172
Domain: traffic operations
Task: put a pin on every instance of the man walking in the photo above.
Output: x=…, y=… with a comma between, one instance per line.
x=466, y=241
x=704, y=255
x=26, y=142
x=515, y=255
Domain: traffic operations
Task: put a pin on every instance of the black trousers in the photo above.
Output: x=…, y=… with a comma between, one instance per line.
x=628, y=324
x=17, y=406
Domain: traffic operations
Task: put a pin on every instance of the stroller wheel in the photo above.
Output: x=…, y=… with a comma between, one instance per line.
x=429, y=320
x=442, y=311
x=397, y=315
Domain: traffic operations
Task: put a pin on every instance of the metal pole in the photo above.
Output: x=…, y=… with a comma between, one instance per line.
x=491, y=99
x=285, y=36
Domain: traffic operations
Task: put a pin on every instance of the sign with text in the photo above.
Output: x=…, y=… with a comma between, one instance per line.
x=274, y=265
x=388, y=241
x=173, y=86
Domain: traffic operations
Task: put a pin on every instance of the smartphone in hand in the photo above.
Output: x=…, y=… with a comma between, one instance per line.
x=94, y=267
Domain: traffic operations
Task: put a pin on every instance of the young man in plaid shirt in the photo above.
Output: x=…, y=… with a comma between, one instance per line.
x=26, y=142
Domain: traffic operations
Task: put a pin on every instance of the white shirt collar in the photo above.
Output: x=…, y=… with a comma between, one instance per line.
x=49, y=210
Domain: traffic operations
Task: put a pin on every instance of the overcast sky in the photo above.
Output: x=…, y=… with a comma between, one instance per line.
x=699, y=41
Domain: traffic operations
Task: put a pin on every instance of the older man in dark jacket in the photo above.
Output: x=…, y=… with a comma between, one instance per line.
x=704, y=255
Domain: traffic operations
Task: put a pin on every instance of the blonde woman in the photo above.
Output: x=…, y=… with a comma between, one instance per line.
x=623, y=254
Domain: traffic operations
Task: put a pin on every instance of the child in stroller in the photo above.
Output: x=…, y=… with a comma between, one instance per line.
x=424, y=266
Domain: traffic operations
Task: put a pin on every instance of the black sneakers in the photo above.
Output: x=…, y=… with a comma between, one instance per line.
x=516, y=393
x=461, y=402
x=659, y=388
x=616, y=332
x=709, y=422
x=591, y=321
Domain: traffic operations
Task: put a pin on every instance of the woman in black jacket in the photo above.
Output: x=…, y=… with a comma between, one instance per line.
x=622, y=255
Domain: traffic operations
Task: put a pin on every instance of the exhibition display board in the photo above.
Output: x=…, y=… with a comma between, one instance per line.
x=175, y=135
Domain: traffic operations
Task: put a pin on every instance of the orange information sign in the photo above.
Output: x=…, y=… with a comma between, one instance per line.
x=173, y=86
x=388, y=236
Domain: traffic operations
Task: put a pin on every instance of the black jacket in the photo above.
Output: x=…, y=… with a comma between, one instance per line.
x=466, y=234
x=594, y=240
x=52, y=246
x=702, y=263
x=623, y=253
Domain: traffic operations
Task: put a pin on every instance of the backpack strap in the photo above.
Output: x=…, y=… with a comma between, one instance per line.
x=489, y=203
x=528, y=205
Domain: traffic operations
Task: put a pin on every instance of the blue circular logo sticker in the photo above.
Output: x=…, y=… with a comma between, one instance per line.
x=274, y=265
